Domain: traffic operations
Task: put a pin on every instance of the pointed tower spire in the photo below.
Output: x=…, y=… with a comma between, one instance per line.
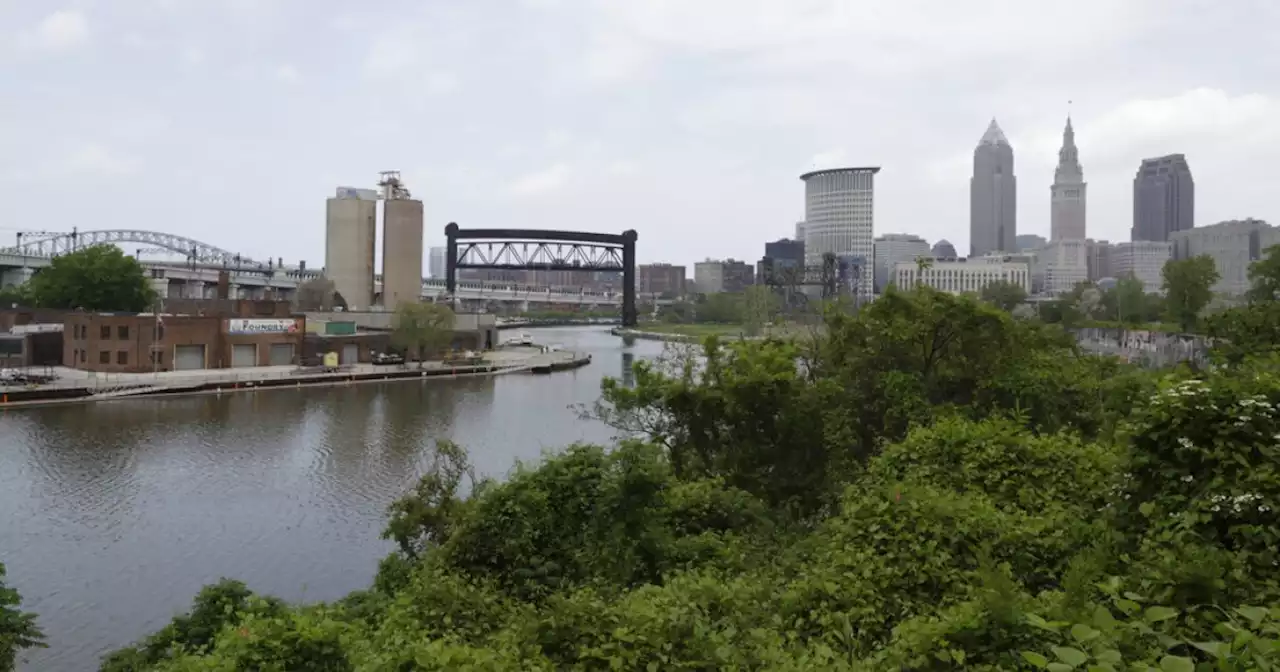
x=993, y=136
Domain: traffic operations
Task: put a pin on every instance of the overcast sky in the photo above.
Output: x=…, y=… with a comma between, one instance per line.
x=230, y=121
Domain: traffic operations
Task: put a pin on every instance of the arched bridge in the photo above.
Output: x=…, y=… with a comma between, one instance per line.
x=51, y=245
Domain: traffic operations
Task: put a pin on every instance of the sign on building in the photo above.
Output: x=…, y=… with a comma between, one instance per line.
x=286, y=325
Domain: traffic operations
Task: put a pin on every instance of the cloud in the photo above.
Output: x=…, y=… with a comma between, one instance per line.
x=94, y=160
x=62, y=30
x=540, y=182
x=193, y=55
x=287, y=73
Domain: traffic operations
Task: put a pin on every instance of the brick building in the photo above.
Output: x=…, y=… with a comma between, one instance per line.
x=140, y=343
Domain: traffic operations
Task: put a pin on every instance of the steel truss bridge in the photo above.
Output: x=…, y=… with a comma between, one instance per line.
x=34, y=250
x=48, y=245
x=534, y=250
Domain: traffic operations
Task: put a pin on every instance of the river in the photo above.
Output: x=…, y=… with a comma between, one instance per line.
x=113, y=515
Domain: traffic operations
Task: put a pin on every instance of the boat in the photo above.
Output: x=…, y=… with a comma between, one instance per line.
x=522, y=338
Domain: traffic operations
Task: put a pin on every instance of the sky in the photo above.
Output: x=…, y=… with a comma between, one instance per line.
x=690, y=121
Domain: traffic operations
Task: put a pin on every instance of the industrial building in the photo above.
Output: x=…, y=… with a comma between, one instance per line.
x=351, y=224
x=146, y=342
x=401, y=243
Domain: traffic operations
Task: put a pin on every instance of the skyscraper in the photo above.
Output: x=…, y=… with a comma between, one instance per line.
x=1164, y=198
x=1067, y=195
x=839, y=214
x=993, y=195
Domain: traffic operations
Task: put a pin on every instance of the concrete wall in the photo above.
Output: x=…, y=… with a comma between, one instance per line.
x=350, y=231
x=401, y=252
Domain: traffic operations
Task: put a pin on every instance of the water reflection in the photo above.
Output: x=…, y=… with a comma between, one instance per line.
x=112, y=516
x=628, y=372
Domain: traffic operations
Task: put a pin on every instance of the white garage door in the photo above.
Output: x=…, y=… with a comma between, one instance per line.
x=281, y=354
x=350, y=354
x=244, y=355
x=188, y=357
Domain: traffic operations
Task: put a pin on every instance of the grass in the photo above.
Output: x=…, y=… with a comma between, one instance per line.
x=693, y=329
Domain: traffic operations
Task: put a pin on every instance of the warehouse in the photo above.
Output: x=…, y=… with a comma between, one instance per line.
x=145, y=342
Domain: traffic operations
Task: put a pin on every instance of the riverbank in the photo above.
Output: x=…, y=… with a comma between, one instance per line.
x=75, y=386
x=697, y=333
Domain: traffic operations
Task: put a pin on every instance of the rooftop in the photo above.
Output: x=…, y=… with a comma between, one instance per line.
x=864, y=169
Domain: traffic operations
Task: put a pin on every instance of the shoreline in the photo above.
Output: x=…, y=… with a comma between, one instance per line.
x=542, y=363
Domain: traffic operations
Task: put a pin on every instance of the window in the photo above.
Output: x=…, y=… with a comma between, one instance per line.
x=122, y=357
x=82, y=355
x=160, y=333
x=104, y=357
x=105, y=331
x=122, y=332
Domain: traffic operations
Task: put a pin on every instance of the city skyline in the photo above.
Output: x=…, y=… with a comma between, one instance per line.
x=993, y=195
x=685, y=121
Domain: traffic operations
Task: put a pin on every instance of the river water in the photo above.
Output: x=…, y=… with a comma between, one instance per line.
x=113, y=515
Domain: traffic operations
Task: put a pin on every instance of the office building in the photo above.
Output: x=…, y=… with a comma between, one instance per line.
x=1143, y=260
x=1060, y=266
x=401, y=244
x=1068, y=193
x=958, y=276
x=1026, y=242
x=436, y=263
x=351, y=225
x=892, y=248
x=799, y=232
x=1099, y=259
x=839, y=215
x=661, y=280
x=1233, y=246
x=1164, y=198
x=993, y=196
x=714, y=276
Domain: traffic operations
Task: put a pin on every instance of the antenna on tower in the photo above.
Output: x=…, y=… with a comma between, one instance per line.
x=392, y=188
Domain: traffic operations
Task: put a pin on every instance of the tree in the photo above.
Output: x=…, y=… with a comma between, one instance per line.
x=18, y=629
x=1128, y=302
x=317, y=295
x=760, y=305
x=423, y=329
x=1004, y=295
x=19, y=295
x=1188, y=289
x=1264, y=276
x=96, y=278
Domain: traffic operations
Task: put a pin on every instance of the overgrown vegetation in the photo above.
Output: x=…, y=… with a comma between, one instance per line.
x=929, y=485
x=94, y=278
x=18, y=630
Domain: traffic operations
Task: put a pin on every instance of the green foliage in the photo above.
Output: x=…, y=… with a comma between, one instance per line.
x=1188, y=289
x=759, y=309
x=929, y=485
x=95, y=278
x=1004, y=295
x=218, y=606
x=18, y=629
x=12, y=296
x=423, y=329
x=1264, y=277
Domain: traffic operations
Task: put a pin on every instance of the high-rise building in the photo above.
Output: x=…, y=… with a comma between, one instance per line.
x=839, y=216
x=943, y=249
x=1026, y=242
x=993, y=196
x=351, y=226
x=660, y=279
x=1143, y=260
x=799, y=232
x=1060, y=266
x=1164, y=198
x=1233, y=246
x=401, y=244
x=1099, y=259
x=1068, y=192
x=892, y=248
x=436, y=262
